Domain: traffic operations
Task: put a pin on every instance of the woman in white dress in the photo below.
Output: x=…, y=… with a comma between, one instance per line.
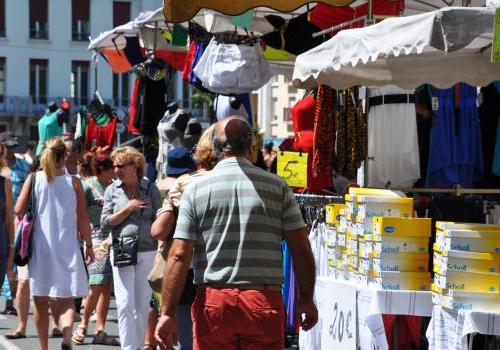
x=56, y=268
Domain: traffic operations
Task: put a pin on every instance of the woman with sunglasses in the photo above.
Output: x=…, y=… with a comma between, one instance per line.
x=130, y=205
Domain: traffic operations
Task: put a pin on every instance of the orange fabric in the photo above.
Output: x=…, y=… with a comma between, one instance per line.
x=117, y=60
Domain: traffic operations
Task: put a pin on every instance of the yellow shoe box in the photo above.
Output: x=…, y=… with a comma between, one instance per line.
x=466, y=262
x=400, y=280
x=341, y=240
x=333, y=213
x=372, y=206
x=365, y=266
x=468, y=281
x=407, y=227
x=365, y=249
x=399, y=244
x=458, y=300
x=447, y=225
x=403, y=262
x=352, y=247
x=481, y=241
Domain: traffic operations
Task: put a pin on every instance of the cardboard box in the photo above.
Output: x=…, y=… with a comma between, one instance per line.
x=405, y=262
x=400, y=280
x=468, y=281
x=409, y=227
x=370, y=207
x=333, y=213
x=452, y=260
x=399, y=244
x=458, y=300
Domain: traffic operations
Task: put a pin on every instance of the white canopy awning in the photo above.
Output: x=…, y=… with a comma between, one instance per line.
x=441, y=47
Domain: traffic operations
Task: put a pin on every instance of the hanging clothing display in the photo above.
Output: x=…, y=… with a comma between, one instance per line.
x=324, y=132
x=224, y=109
x=188, y=64
x=148, y=105
x=117, y=60
x=294, y=35
x=133, y=50
x=303, y=114
x=170, y=135
x=326, y=16
x=48, y=126
x=392, y=138
x=351, y=135
x=456, y=155
x=133, y=108
x=289, y=287
x=232, y=68
x=100, y=135
x=489, y=112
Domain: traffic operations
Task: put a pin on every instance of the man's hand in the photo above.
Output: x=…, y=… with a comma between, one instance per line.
x=307, y=314
x=166, y=332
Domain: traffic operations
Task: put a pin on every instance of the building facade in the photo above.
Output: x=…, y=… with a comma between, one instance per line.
x=44, y=57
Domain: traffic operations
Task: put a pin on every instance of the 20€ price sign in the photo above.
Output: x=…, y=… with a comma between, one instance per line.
x=336, y=302
x=292, y=167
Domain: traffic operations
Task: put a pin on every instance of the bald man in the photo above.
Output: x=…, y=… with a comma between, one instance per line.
x=231, y=225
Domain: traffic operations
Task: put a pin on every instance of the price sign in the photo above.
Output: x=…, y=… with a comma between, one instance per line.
x=292, y=166
x=495, y=51
x=337, y=312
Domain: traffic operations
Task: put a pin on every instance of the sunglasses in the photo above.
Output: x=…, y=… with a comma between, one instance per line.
x=121, y=166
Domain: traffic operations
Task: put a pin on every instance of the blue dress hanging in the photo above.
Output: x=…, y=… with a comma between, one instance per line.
x=456, y=155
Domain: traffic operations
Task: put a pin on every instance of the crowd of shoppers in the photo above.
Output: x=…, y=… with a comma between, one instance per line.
x=98, y=223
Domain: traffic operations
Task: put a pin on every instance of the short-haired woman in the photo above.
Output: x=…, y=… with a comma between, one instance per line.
x=56, y=267
x=130, y=204
x=100, y=273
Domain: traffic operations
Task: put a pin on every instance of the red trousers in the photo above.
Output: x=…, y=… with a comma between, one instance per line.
x=237, y=319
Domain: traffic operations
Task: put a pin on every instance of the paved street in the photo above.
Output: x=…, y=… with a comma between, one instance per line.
x=31, y=341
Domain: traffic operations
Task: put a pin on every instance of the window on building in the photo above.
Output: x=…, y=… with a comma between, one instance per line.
x=121, y=13
x=2, y=18
x=2, y=79
x=80, y=20
x=38, y=80
x=121, y=90
x=287, y=116
x=39, y=27
x=80, y=82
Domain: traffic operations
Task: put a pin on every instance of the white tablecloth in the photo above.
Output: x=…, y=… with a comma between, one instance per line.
x=371, y=305
x=448, y=329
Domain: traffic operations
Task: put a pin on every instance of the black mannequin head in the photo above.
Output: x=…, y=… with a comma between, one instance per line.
x=52, y=106
x=172, y=107
x=234, y=102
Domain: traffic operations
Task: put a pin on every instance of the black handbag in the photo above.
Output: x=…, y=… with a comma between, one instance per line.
x=125, y=251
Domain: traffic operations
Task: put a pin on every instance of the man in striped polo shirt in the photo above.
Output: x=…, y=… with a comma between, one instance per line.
x=231, y=224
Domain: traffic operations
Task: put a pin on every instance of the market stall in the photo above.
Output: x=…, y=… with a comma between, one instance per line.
x=439, y=48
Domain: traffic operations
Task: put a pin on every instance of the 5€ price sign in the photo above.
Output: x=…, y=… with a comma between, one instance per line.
x=292, y=167
x=337, y=311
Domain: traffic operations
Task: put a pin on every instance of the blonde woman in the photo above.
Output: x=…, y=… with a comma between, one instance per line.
x=56, y=268
x=130, y=204
x=162, y=230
